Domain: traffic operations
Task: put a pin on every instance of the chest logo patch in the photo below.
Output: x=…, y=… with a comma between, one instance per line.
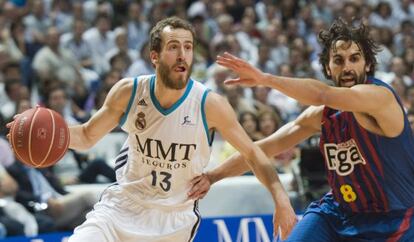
x=140, y=122
x=343, y=157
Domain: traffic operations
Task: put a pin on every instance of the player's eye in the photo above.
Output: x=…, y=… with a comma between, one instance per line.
x=338, y=61
x=354, y=59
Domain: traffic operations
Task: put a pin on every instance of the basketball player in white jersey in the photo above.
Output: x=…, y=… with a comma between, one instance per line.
x=170, y=120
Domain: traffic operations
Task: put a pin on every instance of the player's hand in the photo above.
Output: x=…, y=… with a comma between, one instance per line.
x=284, y=219
x=249, y=75
x=9, y=125
x=199, y=187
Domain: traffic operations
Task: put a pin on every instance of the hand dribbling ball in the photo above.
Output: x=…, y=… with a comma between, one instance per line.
x=39, y=137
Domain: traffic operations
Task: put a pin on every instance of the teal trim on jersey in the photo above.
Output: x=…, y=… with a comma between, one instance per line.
x=131, y=100
x=203, y=115
x=173, y=107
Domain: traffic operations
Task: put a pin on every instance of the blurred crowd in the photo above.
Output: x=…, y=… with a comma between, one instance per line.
x=67, y=54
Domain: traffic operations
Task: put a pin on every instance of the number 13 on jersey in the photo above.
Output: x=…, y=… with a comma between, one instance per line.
x=162, y=179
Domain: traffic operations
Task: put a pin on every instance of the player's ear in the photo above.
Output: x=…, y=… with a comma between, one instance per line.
x=328, y=71
x=367, y=67
x=154, y=57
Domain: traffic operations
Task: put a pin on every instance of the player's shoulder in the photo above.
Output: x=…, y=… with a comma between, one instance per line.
x=126, y=85
x=214, y=99
x=123, y=86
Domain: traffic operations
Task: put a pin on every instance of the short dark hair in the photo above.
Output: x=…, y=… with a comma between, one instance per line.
x=174, y=23
x=340, y=30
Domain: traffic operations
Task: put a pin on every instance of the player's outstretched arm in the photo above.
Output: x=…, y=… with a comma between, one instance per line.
x=375, y=101
x=105, y=119
x=289, y=135
x=221, y=117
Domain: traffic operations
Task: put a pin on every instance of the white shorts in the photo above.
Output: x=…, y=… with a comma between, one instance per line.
x=117, y=218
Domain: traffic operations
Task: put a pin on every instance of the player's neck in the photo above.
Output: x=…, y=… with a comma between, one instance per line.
x=167, y=96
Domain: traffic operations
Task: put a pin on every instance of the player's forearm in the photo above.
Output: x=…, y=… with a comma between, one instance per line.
x=233, y=166
x=236, y=165
x=306, y=90
x=266, y=173
x=78, y=138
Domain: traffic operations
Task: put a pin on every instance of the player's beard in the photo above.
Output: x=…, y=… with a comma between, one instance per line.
x=167, y=79
x=358, y=78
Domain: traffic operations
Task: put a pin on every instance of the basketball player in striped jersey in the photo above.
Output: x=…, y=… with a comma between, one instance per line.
x=170, y=120
x=365, y=138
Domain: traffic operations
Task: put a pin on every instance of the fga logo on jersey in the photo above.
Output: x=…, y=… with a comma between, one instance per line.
x=343, y=157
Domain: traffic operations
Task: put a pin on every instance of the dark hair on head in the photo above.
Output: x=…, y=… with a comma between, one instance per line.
x=174, y=23
x=247, y=113
x=340, y=30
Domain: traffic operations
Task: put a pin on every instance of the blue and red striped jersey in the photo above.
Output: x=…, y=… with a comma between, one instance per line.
x=367, y=172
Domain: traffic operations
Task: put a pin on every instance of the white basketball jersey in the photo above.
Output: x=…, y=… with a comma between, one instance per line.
x=165, y=148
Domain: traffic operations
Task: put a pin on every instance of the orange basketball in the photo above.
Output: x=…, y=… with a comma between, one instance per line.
x=39, y=137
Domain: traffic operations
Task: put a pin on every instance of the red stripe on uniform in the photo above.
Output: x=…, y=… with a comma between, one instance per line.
x=404, y=226
x=371, y=149
x=341, y=179
x=364, y=175
x=377, y=163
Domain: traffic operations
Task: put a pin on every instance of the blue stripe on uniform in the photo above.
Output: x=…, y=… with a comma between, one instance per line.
x=123, y=150
x=121, y=158
x=197, y=224
x=176, y=104
x=121, y=164
x=203, y=115
x=131, y=100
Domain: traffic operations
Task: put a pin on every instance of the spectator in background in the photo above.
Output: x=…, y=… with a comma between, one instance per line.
x=398, y=70
x=101, y=39
x=385, y=55
x=44, y=196
x=404, y=10
x=383, y=16
x=408, y=57
x=16, y=9
x=137, y=26
x=13, y=89
x=261, y=98
x=272, y=37
x=409, y=95
x=225, y=23
x=235, y=96
x=400, y=88
x=61, y=15
x=320, y=11
x=249, y=122
x=23, y=51
x=31, y=224
x=121, y=47
x=37, y=23
x=120, y=62
x=16, y=219
x=406, y=29
x=58, y=101
x=264, y=62
x=74, y=42
x=269, y=122
x=350, y=11
x=53, y=62
x=85, y=171
x=142, y=65
x=8, y=188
